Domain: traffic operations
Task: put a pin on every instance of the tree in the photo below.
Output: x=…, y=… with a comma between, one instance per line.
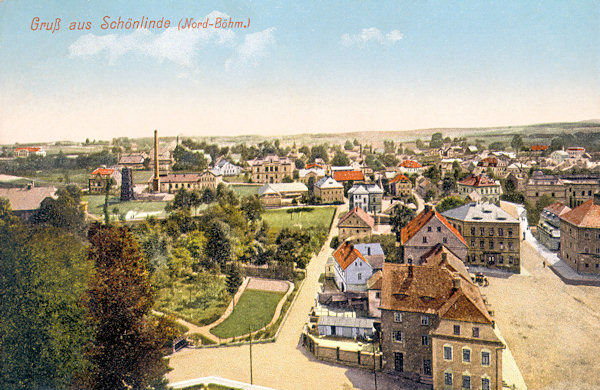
x=401, y=216
x=108, y=183
x=348, y=145
x=448, y=183
x=420, y=145
x=433, y=173
x=340, y=159
x=437, y=140
x=450, y=202
x=517, y=142
x=64, y=212
x=234, y=279
x=219, y=246
x=299, y=163
x=429, y=195
x=126, y=350
x=496, y=146
x=208, y=195
x=319, y=151
x=252, y=207
x=557, y=143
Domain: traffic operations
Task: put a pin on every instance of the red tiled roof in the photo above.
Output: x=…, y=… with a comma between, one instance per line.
x=538, y=148
x=421, y=220
x=30, y=149
x=557, y=208
x=348, y=175
x=480, y=180
x=399, y=177
x=103, y=171
x=362, y=214
x=410, y=164
x=346, y=254
x=435, y=257
x=576, y=148
x=586, y=215
x=488, y=161
x=313, y=165
x=431, y=290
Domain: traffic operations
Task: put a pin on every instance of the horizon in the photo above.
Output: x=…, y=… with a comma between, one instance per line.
x=296, y=69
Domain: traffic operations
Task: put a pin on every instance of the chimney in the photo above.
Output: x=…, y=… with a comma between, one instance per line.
x=156, y=180
x=444, y=257
x=456, y=282
x=597, y=199
x=368, y=251
x=427, y=208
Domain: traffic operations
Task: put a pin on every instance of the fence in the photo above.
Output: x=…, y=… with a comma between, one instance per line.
x=361, y=359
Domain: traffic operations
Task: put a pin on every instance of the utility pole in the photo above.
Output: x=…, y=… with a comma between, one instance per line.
x=250, y=356
x=374, y=368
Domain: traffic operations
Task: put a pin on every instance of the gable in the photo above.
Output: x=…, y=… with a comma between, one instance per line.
x=353, y=221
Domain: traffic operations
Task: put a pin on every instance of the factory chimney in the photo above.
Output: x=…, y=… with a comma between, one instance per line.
x=156, y=180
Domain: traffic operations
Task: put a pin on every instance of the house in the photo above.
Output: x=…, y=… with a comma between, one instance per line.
x=351, y=176
x=314, y=172
x=548, y=229
x=173, y=182
x=356, y=223
x=400, y=186
x=281, y=194
x=26, y=151
x=374, y=294
x=329, y=190
x=25, y=200
x=493, y=235
x=99, y=177
x=346, y=327
x=558, y=156
x=437, y=330
x=580, y=237
x=427, y=229
x=497, y=166
x=539, y=148
x=352, y=270
x=225, y=168
x=571, y=190
x=440, y=256
x=133, y=161
x=271, y=169
x=575, y=152
x=423, y=185
x=410, y=167
x=488, y=189
x=366, y=196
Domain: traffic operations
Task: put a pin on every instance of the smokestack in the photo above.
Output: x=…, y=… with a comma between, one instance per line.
x=156, y=180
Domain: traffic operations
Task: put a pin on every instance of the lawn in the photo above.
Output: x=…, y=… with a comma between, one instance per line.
x=301, y=217
x=61, y=177
x=254, y=310
x=201, y=299
x=244, y=190
x=133, y=209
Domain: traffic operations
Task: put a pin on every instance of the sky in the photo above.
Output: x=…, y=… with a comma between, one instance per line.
x=294, y=67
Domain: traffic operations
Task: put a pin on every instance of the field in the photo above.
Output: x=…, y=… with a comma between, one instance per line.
x=301, y=217
x=254, y=310
x=131, y=210
x=244, y=190
x=60, y=177
x=200, y=300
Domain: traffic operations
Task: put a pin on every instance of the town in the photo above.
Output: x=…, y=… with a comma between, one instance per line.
x=444, y=258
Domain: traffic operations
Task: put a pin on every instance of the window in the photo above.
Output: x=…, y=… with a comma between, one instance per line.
x=424, y=320
x=397, y=317
x=491, y=244
x=510, y=232
x=447, y=352
x=475, y=331
x=501, y=245
x=511, y=246
x=448, y=378
x=485, y=384
x=377, y=295
x=472, y=243
x=500, y=231
x=466, y=382
x=444, y=240
x=482, y=231
x=472, y=231
x=466, y=355
x=398, y=336
x=429, y=229
x=485, y=358
x=424, y=240
x=501, y=261
x=359, y=276
x=510, y=259
x=457, y=330
x=481, y=244
x=491, y=231
x=424, y=340
x=439, y=229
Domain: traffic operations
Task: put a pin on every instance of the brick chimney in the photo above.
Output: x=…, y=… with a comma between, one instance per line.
x=156, y=179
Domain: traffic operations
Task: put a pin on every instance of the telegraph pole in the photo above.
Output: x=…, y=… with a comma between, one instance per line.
x=250, y=356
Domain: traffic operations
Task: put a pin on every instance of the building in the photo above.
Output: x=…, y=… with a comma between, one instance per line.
x=575, y=152
x=493, y=235
x=437, y=330
x=539, y=148
x=558, y=156
x=346, y=327
x=173, y=182
x=488, y=190
x=548, y=229
x=400, y=186
x=27, y=151
x=351, y=269
x=498, y=166
x=329, y=190
x=570, y=190
x=314, y=172
x=133, y=161
x=281, y=194
x=271, y=169
x=356, y=224
x=225, y=168
x=350, y=176
x=366, y=196
x=426, y=230
x=99, y=178
x=374, y=294
x=411, y=167
x=580, y=237
x=25, y=200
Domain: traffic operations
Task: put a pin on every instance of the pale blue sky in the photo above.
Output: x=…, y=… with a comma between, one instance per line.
x=318, y=67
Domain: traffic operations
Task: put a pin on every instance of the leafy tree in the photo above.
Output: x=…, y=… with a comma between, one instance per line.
x=310, y=184
x=319, y=151
x=287, y=179
x=219, y=246
x=420, y=145
x=340, y=159
x=348, y=145
x=401, y=216
x=184, y=200
x=450, y=202
x=356, y=142
x=429, y=195
x=234, y=278
x=299, y=163
x=126, y=350
x=64, y=212
x=373, y=162
x=433, y=173
x=557, y=143
x=252, y=207
x=388, y=146
x=517, y=142
x=208, y=195
x=448, y=184
x=496, y=146
x=389, y=160
x=437, y=140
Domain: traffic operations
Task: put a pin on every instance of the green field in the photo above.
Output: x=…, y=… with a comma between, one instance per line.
x=244, y=190
x=254, y=310
x=139, y=209
x=200, y=300
x=300, y=217
x=61, y=177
